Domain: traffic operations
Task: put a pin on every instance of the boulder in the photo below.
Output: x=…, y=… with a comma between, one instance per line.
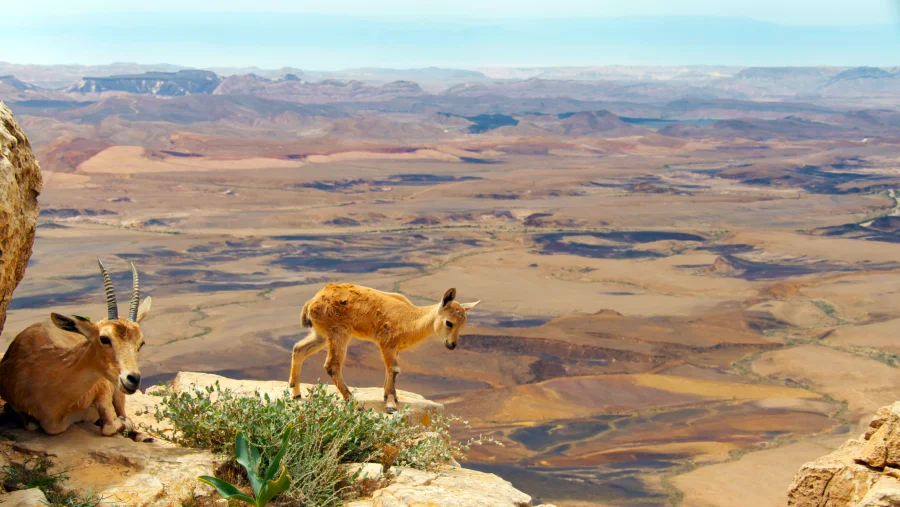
x=878, y=420
x=862, y=472
x=882, y=439
x=20, y=184
x=24, y=498
x=835, y=479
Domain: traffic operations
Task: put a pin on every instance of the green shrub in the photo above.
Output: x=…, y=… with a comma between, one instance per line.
x=327, y=433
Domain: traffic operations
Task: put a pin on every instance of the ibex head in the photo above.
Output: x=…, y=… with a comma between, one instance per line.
x=116, y=341
x=451, y=318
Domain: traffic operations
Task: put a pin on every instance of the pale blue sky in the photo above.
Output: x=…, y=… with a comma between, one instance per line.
x=802, y=12
x=330, y=35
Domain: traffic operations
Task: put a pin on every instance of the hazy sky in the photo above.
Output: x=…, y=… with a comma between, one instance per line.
x=802, y=12
x=338, y=34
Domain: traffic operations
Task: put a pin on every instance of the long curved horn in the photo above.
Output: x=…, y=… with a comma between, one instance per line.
x=135, y=294
x=111, y=307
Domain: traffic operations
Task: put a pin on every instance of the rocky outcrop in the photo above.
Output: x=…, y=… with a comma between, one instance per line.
x=20, y=184
x=159, y=474
x=24, y=498
x=864, y=472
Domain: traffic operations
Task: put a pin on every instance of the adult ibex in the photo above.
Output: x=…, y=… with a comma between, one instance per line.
x=340, y=311
x=74, y=370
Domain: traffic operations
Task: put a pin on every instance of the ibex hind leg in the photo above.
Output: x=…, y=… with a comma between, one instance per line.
x=338, y=340
x=88, y=415
x=303, y=349
x=30, y=423
x=392, y=369
x=57, y=426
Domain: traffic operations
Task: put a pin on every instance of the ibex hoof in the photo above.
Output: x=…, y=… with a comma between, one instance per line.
x=140, y=436
x=128, y=427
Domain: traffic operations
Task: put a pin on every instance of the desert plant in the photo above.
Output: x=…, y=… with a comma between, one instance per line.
x=328, y=433
x=264, y=488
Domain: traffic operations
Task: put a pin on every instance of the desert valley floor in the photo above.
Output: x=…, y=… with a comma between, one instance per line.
x=672, y=313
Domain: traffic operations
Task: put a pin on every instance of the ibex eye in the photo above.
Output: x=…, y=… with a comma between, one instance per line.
x=105, y=340
x=449, y=324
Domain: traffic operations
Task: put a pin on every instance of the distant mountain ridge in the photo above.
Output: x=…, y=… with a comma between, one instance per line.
x=171, y=84
x=15, y=83
x=607, y=83
x=293, y=89
x=679, y=103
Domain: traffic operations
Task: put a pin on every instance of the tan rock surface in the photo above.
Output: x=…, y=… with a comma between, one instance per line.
x=117, y=468
x=452, y=487
x=24, y=498
x=882, y=448
x=884, y=494
x=881, y=416
x=862, y=472
x=20, y=184
x=835, y=479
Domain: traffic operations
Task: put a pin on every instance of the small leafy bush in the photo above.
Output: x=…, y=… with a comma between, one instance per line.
x=264, y=488
x=328, y=433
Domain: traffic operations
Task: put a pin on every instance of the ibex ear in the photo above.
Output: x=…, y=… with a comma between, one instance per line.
x=77, y=324
x=469, y=306
x=449, y=296
x=144, y=309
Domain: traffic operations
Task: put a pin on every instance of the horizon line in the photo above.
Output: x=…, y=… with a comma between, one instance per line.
x=450, y=67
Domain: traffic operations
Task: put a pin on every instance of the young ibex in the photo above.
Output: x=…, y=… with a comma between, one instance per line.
x=75, y=370
x=340, y=311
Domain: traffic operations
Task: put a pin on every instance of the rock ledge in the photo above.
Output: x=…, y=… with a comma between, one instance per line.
x=160, y=474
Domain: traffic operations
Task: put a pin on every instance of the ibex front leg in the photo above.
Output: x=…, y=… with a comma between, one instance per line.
x=109, y=420
x=391, y=370
x=133, y=432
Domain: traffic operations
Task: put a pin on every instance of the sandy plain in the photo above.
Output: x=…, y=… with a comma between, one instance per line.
x=664, y=321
